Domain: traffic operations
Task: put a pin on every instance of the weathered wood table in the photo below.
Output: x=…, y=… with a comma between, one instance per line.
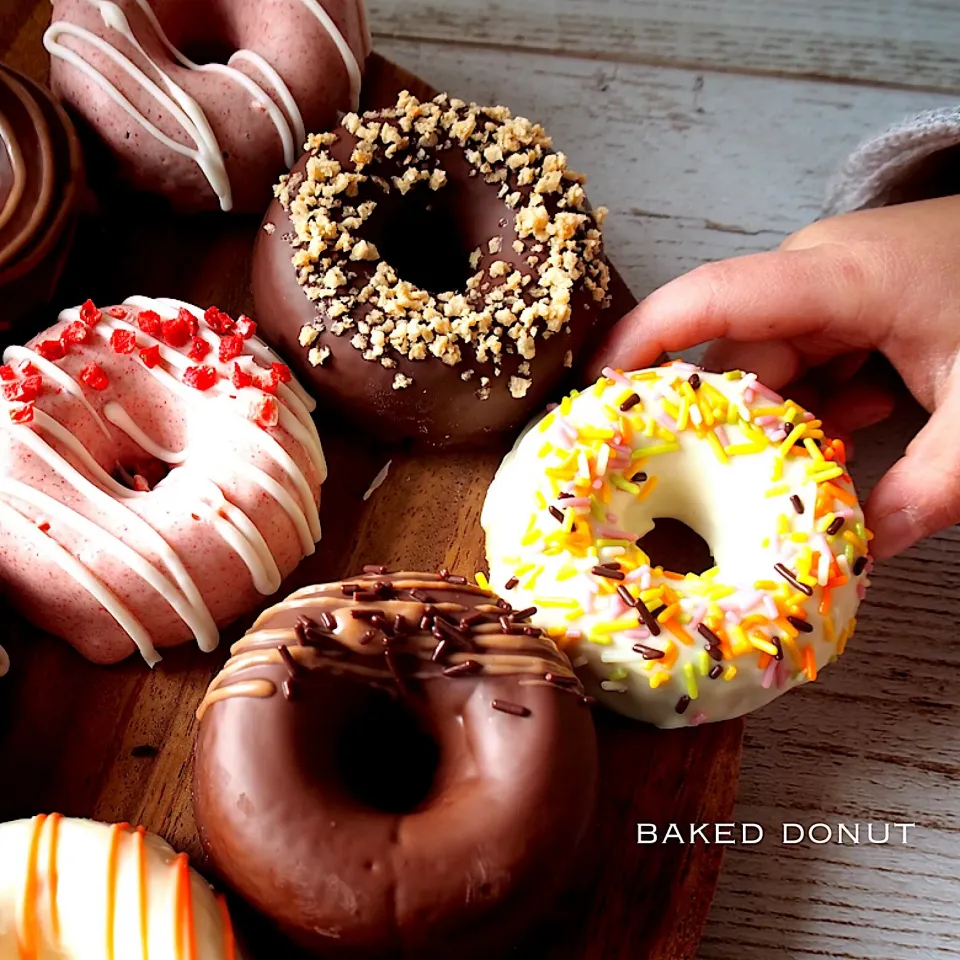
x=709, y=129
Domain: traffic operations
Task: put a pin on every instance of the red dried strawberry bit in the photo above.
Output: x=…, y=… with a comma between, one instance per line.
x=89, y=314
x=245, y=327
x=51, y=349
x=151, y=355
x=176, y=332
x=75, y=332
x=27, y=369
x=231, y=346
x=123, y=341
x=190, y=320
x=120, y=313
x=94, y=377
x=199, y=348
x=149, y=322
x=265, y=411
x=200, y=378
x=282, y=371
x=240, y=378
x=21, y=412
x=6, y=372
x=218, y=321
x=28, y=389
x=269, y=383
x=43, y=526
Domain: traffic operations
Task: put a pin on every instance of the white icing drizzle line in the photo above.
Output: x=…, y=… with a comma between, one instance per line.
x=207, y=153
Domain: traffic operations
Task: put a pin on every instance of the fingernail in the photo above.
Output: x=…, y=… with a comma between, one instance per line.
x=893, y=533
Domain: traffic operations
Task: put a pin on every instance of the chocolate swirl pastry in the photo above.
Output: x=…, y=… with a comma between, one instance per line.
x=398, y=764
x=41, y=180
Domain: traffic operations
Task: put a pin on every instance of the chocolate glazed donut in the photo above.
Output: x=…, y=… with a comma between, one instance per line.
x=396, y=765
x=431, y=269
x=41, y=179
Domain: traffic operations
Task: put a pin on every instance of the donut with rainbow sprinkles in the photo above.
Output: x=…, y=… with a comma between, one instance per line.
x=750, y=472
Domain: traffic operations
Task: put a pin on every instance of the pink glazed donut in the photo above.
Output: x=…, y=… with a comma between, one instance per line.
x=159, y=474
x=207, y=101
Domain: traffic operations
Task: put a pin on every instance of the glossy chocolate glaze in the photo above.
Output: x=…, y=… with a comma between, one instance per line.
x=439, y=407
x=41, y=179
x=461, y=863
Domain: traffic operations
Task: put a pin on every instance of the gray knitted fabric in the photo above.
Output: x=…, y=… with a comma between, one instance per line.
x=880, y=167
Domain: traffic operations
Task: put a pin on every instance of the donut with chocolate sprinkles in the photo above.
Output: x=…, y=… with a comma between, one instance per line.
x=431, y=269
x=443, y=770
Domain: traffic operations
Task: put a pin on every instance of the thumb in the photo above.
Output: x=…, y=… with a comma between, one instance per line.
x=920, y=494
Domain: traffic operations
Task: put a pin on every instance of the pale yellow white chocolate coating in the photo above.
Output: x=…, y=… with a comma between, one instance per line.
x=751, y=473
x=113, y=567
x=79, y=890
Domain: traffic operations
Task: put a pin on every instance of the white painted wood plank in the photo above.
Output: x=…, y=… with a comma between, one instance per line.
x=695, y=170
x=902, y=42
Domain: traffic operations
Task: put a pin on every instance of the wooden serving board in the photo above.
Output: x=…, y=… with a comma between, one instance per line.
x=116, y=743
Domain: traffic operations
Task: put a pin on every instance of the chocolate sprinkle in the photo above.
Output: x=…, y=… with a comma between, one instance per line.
x=366, y=614
x=648, y=653
x=560, y=680
x=511, y=583
x=524, y=614
x=715, y=652
x=376, y=569
x=650, y=621
x=626, y=596
x=859, y=565
x=587, y=702
x=328, y=620
x=682, y=704
x=507, y=706
x=801, y=625
x=465, y=669
x=366, y=638
x=640, y=477
x=694, y=381
x=631, y=401
x=797, y=503
x=712, y=639
x=715, y=672
x=779, y=654
x=836, y=525
x=556, y=513
x=792, y=580
x=607, y=572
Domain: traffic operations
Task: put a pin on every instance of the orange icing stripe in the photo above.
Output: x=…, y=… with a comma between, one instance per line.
x=142, y=892
x=53, y=878
x=184, y=911
x=28, y=937
x=113, y=855
x=229, y=942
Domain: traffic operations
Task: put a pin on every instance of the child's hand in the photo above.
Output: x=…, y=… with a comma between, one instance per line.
x=886, y=280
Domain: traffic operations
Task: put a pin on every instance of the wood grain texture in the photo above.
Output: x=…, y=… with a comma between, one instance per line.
x=908, y=43
x=115, y=743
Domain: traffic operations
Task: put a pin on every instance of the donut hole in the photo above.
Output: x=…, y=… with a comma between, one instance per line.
x=673, y=545
x=421, y=239
x=208, y=49
x=387, y=760
x=140, y=473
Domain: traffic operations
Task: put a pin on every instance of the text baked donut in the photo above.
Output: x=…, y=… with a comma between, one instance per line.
x=146, y=76
x=395, y=764
x=159, y=473
x=80, y=890
x=41, y=180
x=431, y=269
x=751, y=473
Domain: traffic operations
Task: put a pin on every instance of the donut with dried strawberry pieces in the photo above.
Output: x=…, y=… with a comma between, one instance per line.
x=159, y=473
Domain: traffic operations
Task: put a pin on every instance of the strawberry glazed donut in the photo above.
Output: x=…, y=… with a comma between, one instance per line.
x=206, y=103
x=159, y=473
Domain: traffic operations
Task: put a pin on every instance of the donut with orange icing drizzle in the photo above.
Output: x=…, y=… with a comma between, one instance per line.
x=159, y=473
x=398, y=764
x=81, y=890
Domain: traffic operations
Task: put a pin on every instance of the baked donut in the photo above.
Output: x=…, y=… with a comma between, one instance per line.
x=751, y=473
x=431, y=269
x=396, y=764
x=41, y=181
x=205, y=103
x=80, y=890
x=159, y=473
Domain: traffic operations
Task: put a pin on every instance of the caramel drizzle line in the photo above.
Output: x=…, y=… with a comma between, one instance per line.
x=183, y=910
x=28, y=936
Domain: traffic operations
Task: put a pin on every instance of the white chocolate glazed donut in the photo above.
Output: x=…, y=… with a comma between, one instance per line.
x=751, y=473
x=93, y=546
x=79, y=890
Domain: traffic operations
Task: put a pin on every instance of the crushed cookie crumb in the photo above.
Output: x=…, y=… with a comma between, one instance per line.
x=318, y=355
x=568, y=359
x=269, y=227
x=504, y=309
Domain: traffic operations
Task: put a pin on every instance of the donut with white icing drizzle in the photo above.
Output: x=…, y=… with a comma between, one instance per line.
x=159, y=473
x=147, y=77
x=81, y=890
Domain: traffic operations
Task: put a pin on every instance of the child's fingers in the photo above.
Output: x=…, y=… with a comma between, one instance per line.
x=920, y=493
x=823, y=294
x=775, y=362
